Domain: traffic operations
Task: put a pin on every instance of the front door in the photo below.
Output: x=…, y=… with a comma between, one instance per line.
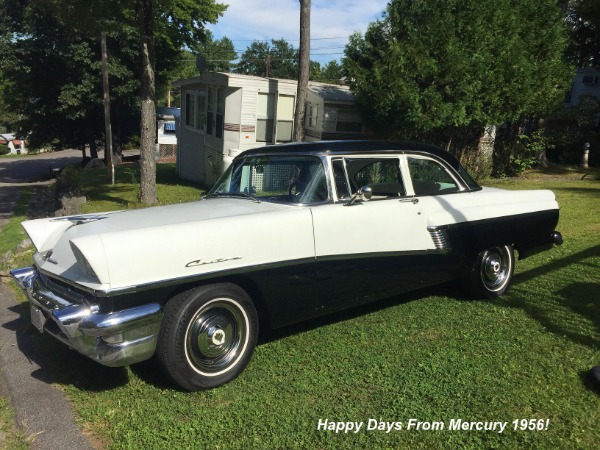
x=374, y=249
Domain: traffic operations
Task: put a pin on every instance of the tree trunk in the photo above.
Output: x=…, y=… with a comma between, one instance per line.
x=93, y=149
x=303, y=70
x=541, y=156
x=148, y=109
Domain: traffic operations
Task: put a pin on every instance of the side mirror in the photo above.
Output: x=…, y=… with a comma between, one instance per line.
x=364, y=194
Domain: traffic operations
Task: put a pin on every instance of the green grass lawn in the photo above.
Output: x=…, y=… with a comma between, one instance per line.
x=430, y=356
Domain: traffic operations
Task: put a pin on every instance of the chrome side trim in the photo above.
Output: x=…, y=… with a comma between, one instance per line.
x=77, y=220
x=114, y=339
x=163, y=283
x=440, y=239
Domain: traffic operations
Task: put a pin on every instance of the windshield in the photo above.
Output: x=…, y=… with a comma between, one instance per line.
x=277, y=178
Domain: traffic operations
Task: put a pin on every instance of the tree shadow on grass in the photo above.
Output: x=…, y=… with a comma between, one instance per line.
x=573, y=309
x=593, y=192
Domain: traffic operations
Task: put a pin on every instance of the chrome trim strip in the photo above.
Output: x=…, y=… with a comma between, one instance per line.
x=171, y=281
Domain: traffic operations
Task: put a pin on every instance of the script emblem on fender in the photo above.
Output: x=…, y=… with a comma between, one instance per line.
x=199, y=262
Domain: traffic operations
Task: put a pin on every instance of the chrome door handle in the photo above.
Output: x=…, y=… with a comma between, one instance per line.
x=413, y=200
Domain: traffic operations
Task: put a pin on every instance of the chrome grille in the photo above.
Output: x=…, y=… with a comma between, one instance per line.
x=64, y=290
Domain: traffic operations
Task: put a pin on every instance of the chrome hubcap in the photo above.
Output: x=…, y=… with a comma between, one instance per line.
x=495, y=267
x=215, y=336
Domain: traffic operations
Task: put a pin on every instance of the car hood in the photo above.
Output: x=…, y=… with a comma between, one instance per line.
x=114, y=249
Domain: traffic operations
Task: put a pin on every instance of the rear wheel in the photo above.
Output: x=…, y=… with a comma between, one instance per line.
x=207, y=336
x=493, y=272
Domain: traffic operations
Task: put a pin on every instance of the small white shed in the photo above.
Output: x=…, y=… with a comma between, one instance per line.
x=223, y=114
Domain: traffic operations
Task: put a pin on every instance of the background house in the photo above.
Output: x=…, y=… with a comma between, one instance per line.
x=224, y=114
x=16, y=146
x=166, y=128
x=586, y=83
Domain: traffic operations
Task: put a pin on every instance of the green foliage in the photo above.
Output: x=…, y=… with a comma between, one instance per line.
x=584, y=25
x=13, y=233
x=572, y=128
x=438, y=70
x=57, y=90
x=282, y=57
x=219, y=54
x=10, y=437
x=4, y=150
x=529, y=149
x=332, y=72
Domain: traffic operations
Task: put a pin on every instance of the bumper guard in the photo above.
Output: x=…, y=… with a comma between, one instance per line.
x=114, y=339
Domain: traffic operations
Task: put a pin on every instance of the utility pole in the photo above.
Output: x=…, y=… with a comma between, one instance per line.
x=268, y=65
x=303, y=68
x=108, y=145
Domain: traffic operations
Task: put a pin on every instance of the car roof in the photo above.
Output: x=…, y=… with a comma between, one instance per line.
x=349, y=147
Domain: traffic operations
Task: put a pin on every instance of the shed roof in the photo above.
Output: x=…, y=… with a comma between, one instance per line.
x=326, y=91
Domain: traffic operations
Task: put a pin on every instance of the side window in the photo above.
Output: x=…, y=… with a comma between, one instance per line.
x=382, y=176
x=430, y=178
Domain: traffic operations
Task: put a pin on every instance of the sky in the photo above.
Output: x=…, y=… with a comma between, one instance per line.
x=331, y=22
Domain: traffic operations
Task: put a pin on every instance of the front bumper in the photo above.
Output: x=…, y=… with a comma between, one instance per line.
x=115, y=339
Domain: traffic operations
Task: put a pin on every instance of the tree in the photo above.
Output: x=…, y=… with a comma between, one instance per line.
x=332, y=72
x=276, y=60
x=56, y=91
x=8, y=117
x=444, y=70
x=303, y=70
x=148, y=101
x=57, y=42
x=181, y=21
x=583, y=20
x=219, y=55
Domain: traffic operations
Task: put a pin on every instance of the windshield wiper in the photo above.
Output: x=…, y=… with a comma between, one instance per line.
x=232, y=194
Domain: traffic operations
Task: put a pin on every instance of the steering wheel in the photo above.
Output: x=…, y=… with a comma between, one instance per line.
x=294, y=189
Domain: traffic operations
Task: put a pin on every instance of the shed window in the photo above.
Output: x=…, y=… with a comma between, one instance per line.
x=264, y=117
x=348, y=120
x=195, y=111
x=209, y=111
x=285, y=118
x=311, y=116
x=220, y=113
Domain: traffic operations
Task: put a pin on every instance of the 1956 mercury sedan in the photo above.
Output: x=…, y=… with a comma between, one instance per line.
x=288, y=233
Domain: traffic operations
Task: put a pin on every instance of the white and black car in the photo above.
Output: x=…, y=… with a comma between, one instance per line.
x=288, y=233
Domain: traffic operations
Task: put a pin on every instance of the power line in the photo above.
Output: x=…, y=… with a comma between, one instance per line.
x=288, y=40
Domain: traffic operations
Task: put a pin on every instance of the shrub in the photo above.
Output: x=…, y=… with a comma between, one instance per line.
x=528, y=151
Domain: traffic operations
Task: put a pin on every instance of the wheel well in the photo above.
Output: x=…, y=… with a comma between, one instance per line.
x=239, y=280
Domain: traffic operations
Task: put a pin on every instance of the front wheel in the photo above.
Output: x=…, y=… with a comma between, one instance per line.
x=207, y=336
x=493, y=272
